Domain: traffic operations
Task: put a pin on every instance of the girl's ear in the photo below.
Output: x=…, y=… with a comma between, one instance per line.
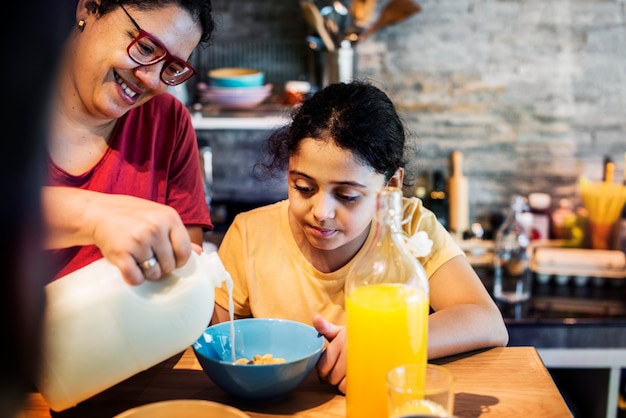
x=397, y=179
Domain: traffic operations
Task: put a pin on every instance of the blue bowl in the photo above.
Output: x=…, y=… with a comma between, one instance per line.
x=236, y=77
x=299, y=344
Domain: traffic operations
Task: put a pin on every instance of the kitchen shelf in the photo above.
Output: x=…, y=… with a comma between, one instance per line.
x=263, y=117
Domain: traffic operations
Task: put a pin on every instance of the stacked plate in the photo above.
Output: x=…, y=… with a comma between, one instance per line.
x=236, y=97
x=236, y=88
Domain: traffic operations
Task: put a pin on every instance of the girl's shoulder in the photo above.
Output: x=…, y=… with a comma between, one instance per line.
x=262, y=215
x=415, y=213
x=417, y=217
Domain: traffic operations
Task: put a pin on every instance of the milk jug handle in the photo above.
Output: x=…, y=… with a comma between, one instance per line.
x=215, y=267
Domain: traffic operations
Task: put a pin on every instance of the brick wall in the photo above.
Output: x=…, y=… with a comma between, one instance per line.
x=533, y=92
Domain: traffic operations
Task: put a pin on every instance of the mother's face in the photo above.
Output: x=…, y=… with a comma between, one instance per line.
x=104, y=77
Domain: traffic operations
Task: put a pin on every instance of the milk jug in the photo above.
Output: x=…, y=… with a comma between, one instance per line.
x=99, y=330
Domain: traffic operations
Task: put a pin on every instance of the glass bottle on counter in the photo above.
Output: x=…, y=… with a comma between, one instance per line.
x=512, y=274
x=387, y=309
x=437, y=199
x=566, y=225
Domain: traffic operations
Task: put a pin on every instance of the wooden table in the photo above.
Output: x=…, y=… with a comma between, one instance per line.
x=498, y=382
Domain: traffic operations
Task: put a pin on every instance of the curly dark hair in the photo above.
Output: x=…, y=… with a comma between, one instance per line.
x=200, y=11
x=356, y=116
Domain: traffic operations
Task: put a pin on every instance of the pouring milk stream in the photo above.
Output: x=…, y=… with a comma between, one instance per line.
x=99, y=330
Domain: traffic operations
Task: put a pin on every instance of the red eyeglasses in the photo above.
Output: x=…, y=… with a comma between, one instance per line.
x=145, y=49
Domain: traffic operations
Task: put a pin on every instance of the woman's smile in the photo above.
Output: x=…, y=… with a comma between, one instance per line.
x=129, y=93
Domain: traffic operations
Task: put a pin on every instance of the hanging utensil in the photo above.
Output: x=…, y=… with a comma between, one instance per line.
x=316, y=21
x=336, y=18
x=315, y=43
x=393, y=12
x=340, y=8
x=331, y=22
x=362, y=12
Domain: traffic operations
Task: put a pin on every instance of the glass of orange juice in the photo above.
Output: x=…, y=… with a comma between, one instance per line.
x=408, y=397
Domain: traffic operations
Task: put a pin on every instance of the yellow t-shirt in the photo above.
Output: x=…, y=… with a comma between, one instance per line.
x=272, y=279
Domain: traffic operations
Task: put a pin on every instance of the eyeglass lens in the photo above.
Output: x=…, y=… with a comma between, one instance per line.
x=145, y=50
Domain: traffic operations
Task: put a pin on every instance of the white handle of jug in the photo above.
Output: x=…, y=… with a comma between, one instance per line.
x=218, y=273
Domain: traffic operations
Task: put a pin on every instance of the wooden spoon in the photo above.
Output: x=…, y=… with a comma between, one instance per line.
x=393, y=12
x=362, y=12
x=316, y=21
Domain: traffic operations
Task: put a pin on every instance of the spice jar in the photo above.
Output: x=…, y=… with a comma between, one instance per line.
x=296, y=92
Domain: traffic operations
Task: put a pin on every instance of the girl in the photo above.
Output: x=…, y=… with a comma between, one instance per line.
x=289, y=259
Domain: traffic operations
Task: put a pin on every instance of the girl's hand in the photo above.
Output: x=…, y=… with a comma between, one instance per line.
x=331, y=366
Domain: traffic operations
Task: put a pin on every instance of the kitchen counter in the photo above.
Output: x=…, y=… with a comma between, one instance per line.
x=556, y=300
x=580, y=334
x=570, y=304
x=566, y=315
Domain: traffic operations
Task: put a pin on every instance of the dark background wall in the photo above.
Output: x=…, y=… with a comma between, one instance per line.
x=533, y=92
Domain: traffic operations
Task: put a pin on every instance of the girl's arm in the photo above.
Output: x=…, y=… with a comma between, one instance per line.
x=465, y=316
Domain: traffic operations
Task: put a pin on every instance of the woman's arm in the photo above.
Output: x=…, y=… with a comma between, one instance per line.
x=466, y=317
x=126, y=229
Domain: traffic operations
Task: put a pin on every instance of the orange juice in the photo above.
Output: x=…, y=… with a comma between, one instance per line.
x=387, y=326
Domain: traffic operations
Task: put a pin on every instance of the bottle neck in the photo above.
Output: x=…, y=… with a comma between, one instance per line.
x=389, y=210
x=386, y=259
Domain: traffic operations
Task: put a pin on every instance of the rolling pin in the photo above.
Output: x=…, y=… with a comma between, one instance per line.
x=458, y=192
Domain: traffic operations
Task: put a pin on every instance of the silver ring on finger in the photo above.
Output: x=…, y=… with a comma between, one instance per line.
x=148, y=263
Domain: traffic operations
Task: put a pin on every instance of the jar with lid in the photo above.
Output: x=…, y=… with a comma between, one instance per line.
x=296, y=92
x=539, y=204
x=387, y=308
x=564, y=224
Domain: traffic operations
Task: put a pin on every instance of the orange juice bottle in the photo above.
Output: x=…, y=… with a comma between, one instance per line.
x=387, y=307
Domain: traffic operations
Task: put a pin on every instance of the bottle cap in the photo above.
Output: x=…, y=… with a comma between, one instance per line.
x=539, y=200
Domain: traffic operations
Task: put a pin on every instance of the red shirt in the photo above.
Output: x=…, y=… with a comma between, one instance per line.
x=153, y=154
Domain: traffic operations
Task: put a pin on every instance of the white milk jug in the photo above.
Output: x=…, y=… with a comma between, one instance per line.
x=99, y=330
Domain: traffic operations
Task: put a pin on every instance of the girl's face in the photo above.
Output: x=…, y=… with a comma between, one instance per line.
x=104, y=78
x=332, y=198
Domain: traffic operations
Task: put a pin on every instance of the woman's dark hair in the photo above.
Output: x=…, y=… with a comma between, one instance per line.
x=200, y=11
x=356, y=116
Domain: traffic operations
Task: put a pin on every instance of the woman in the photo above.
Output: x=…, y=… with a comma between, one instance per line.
x=124, y=175
x=289, y=259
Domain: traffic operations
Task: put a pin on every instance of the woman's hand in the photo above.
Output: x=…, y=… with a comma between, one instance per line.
x=332, y=364
x=131, y=230
x=128, y=230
